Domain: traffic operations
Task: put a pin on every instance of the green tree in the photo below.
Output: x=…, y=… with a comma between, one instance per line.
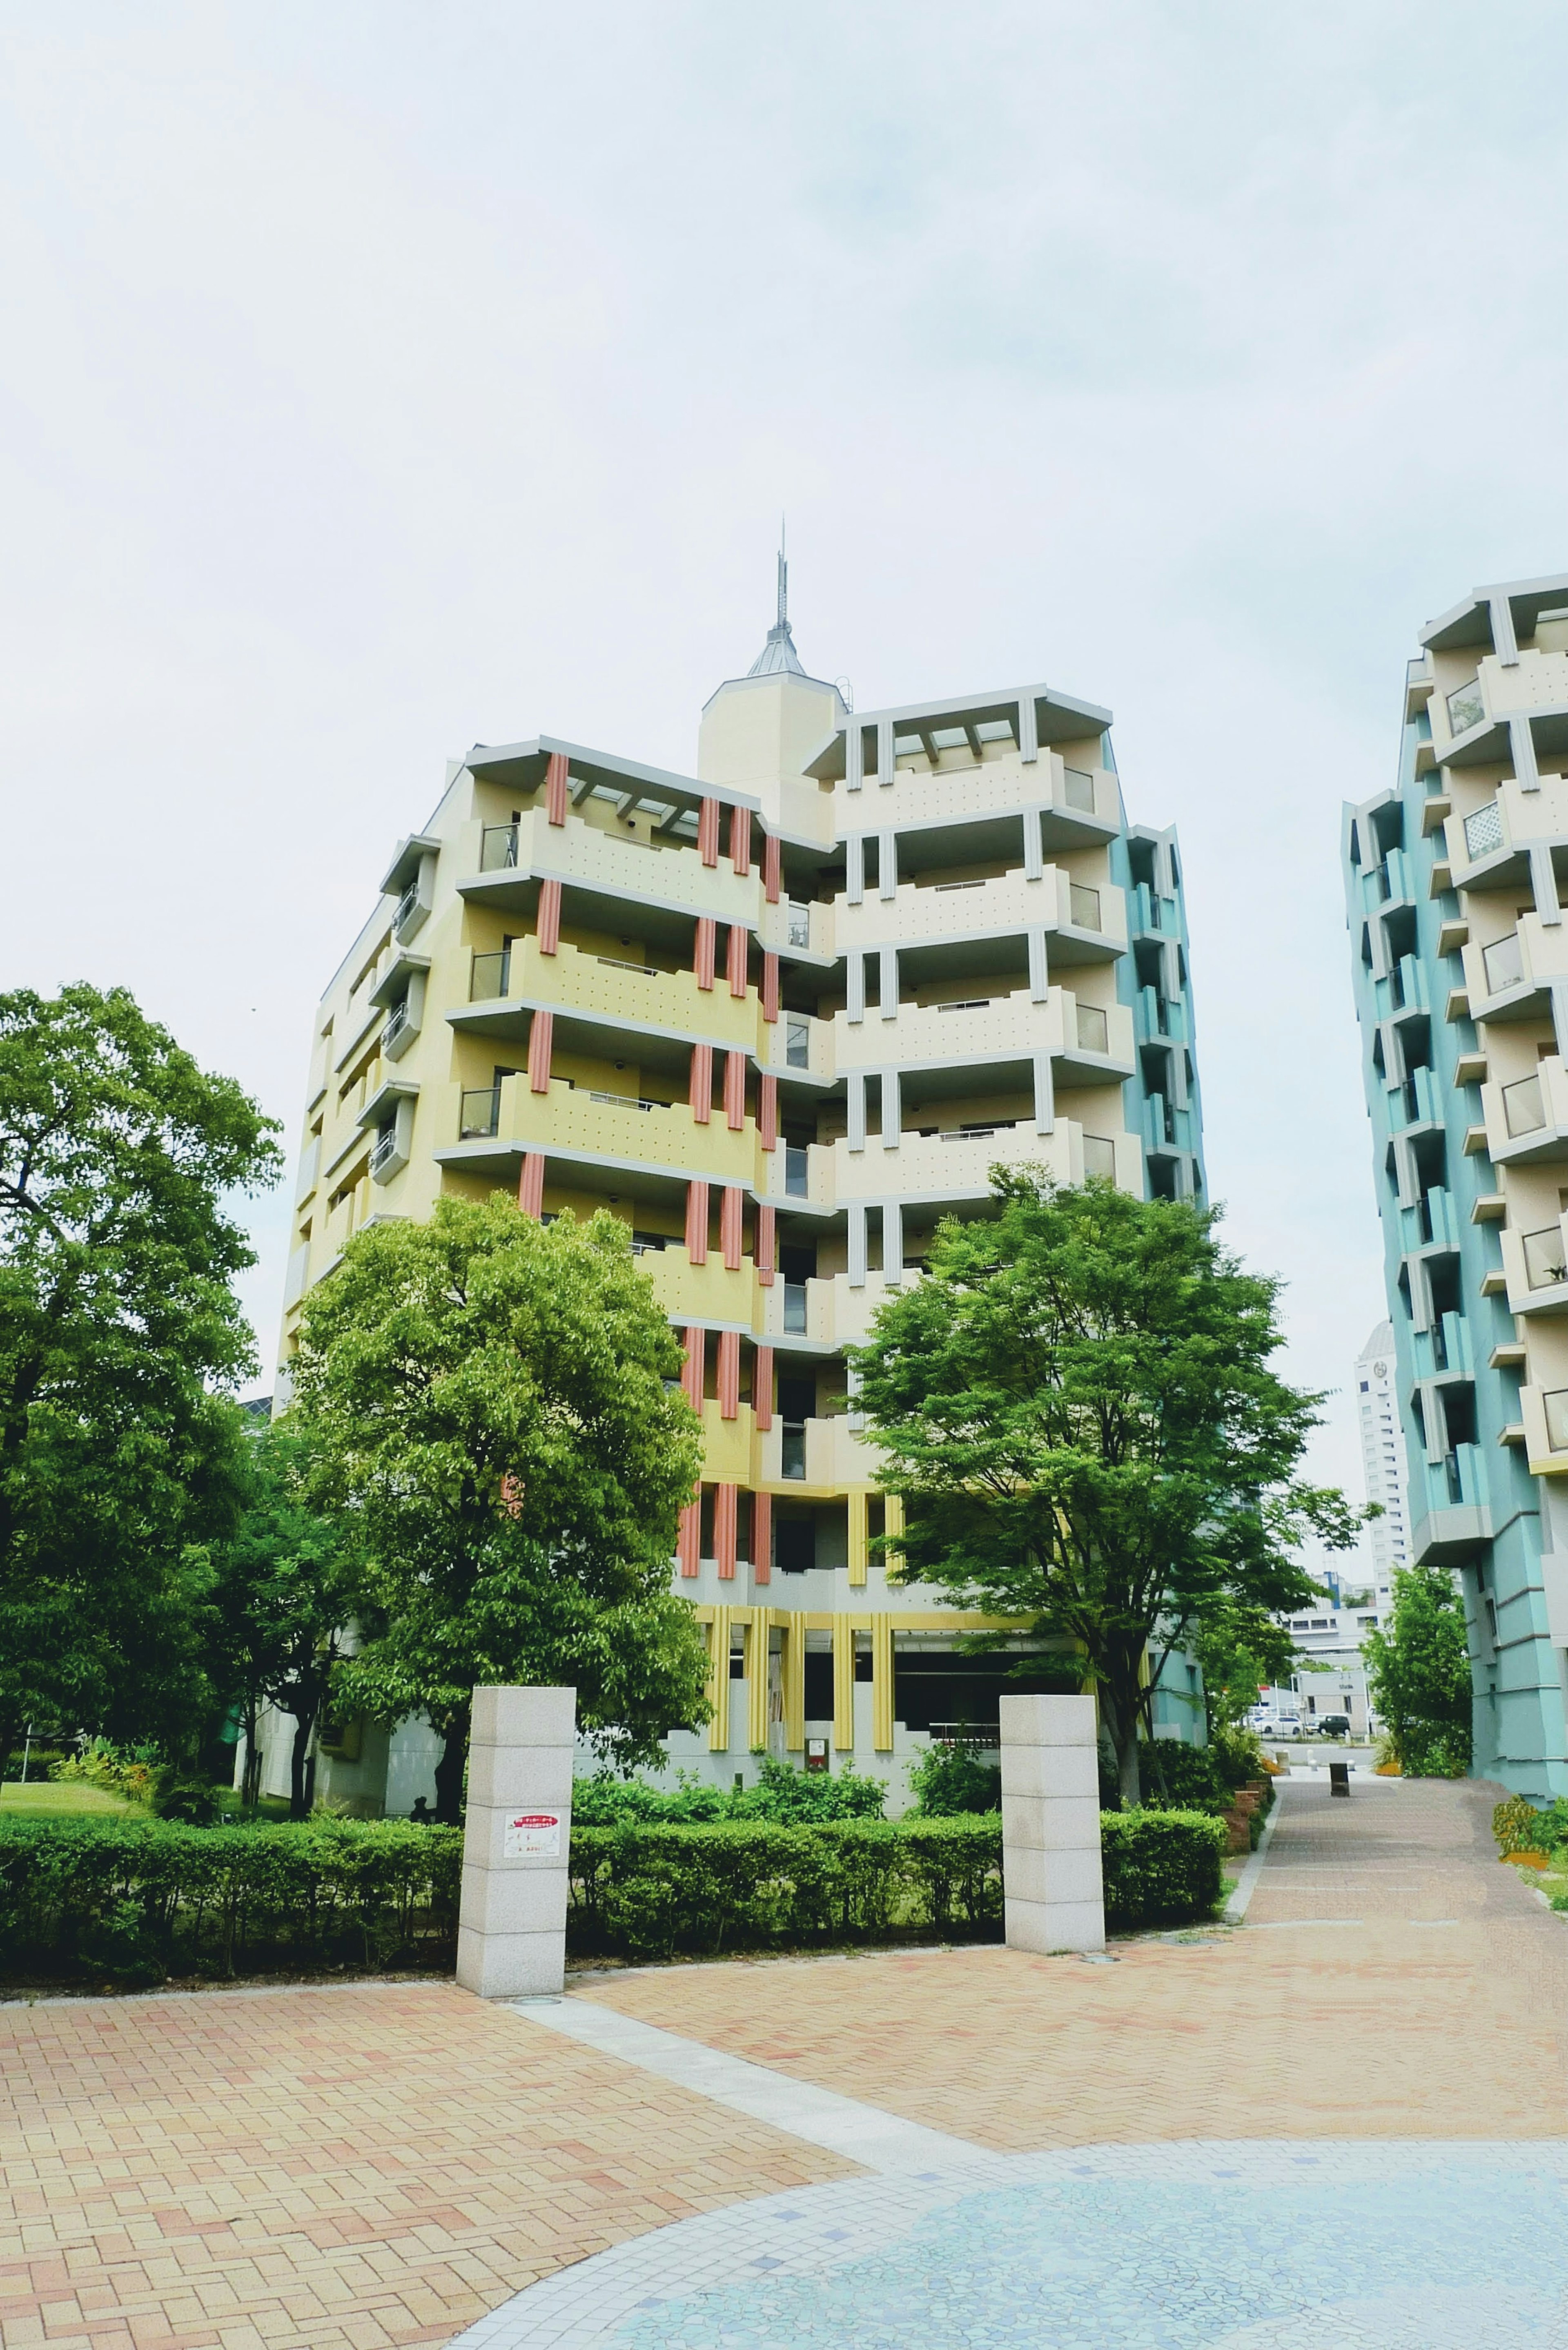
x=495, y=1399
x=1242, y=1650
x=120, y=1456
x=288, y=1587
x=1419, y=1674
x=1077, y=1406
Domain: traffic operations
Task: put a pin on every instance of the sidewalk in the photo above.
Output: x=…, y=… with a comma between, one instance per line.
x=366, y=2166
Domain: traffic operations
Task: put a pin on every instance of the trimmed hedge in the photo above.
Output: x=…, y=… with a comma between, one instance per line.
x=137, y=1900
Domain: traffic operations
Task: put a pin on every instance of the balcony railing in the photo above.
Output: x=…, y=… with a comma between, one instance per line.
x=1545, y=1259
x=1556, y=1403
x=1522, y=1107
x=627, y=1101
x=397, y=1020
x=799, y=932
x=1083, y=905
x=797, y=1178
x=617, y=962
x=795, y=1308
x=498, y=848
x=1466, y=707
x=967, y=1003
x=979, y=1133
x=797, y=1044
x=386, y=1148
x=406, y=904
x=478, y=1113
x=1483, y=830
x=1094, y=1029
x=1503, y=964
x=1078, y=789
x=491, y=976
x=792, y=1449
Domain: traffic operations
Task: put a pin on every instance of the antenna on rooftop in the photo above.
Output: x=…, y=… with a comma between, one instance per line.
x=783, y=578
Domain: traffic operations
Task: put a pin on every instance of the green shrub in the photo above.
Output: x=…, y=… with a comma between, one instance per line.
x=779, y=1793
x=1518, y=1826
x=119, y=1770
x=948, y=1780
x=138, y=1900
x=1162, y=1868
x=1176, y=1776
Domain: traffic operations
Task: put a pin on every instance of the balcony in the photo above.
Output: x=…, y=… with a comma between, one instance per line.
x=1090, y=922
x=1152, y=916
x=1466, y=707
x=490, y=976
x=999, y=1024
x=1433, y=1221
x=1544, y=1411
x=607, y=872
x=614, y=993
x=1408, y=987
x=1418, y=1101
x=1535, y=1266
x=479, y=1113
x=1483, y=831
x=1527, y=1120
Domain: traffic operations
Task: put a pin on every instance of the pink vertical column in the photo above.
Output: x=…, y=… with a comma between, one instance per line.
x=741, y=839
x=770, y=869
x=531, y=1184
x=724, y=1500
x=541, y=1035
x=556, y=787
x=702, y=1083
x=730, y=1207
x=708, y=832
x=770, y=985
x=767, y=1227
x=689, y=1541
x=768, y=1115
x=763, y=1388
x=549, y=917
x=729, y=1374
x=697, y=1220
x=691, y=1371
x=735, y=957
x=705, y=951
x=735, y=1089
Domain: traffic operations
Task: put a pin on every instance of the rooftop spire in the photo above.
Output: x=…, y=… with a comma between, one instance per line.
x=779, y=655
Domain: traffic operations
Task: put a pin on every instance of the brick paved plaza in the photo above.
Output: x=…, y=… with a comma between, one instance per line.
x=384, y=2164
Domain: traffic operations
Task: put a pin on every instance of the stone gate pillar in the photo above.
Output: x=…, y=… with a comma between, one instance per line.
x=512, y=1922
x=1053, y=1894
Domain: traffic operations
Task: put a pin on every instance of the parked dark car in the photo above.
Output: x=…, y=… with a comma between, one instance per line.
x=1332, y=1725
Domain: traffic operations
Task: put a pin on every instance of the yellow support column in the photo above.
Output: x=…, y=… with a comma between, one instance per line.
x=843, y=1682
x=719, y=1682
x=858, y=1553
x=794, y=1630
x=882, y=1683
x=893, y=1526
x=756, y=1678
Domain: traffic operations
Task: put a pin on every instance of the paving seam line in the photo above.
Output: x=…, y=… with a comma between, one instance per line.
x=1247, y=1883
x=866, y=2134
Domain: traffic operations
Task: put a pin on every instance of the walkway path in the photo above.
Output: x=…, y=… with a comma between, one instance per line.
x=363, y=2166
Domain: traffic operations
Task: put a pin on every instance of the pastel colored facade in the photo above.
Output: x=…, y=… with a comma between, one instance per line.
x=1460, y=963
x=780, y=1017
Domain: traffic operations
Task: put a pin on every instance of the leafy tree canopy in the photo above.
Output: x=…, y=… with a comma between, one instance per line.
x=119, y=1327
x=1077, y=1406
x=494, y=1398
x=1419, y=1674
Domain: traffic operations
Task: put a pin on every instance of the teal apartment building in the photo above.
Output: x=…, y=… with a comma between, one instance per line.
x=1455, y=881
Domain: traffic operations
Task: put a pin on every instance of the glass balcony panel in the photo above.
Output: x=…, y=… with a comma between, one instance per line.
x=1503, y=964
x=1099, y=1158
x=795, y=1308
x=1466, y=707
x=1544, y=1257
x=478, y=1113
x=1082, y=907
x=1078, y=789
x=498, y=848
x=1094, y=1029
x=1483, y=830
x=796, y=1178
x=490, y=977
x=792, y=1449
x=1522, y=1105
x=799, y=924
x=797, y=1044
x=1556, y=1403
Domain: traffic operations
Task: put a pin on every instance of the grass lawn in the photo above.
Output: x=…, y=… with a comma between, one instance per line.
x=49, y=1799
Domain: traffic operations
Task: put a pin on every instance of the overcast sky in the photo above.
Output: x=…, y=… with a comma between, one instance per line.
x=378, y=378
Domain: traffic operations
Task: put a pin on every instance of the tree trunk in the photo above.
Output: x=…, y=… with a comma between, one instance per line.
x=298, y=1795
x=1118, y=1710
x=449, y=1771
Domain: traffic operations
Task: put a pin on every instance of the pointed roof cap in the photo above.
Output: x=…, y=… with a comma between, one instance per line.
x=778, y=656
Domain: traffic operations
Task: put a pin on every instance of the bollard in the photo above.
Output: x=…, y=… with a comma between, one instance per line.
x=512, y=1921
x=1053, y=1889
x=1339, y=1779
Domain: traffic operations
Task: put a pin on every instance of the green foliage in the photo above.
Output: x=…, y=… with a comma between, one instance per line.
x=136, y=1900
x=1518, y=1826
x=287, y=1583
x=1178, y=1777
x=1078, y=1408
x=1162, y=1868
x=1418, y=1675
x=949, y=1780
x=119, y=1770
x=1242, y=1651
x=118, y=1330
x=779, y=1793
x=494, y=1401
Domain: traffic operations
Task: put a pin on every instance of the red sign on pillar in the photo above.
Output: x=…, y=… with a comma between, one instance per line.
x=730, y=1207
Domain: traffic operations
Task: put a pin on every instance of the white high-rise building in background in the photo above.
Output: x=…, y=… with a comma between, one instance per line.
x=1383, y=1458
